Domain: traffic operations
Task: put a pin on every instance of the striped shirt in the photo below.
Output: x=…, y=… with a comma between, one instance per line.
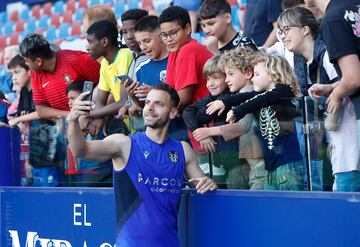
x=71, y=66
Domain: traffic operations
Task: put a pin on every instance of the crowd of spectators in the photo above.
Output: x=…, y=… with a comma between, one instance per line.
x=242, y=92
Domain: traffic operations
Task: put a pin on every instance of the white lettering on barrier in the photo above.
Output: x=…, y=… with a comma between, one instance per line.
x=32, y=239
x=79, y=211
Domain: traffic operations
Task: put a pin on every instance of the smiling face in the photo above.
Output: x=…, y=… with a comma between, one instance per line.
x=150, y=44
x=216, y=83
x=158, y=110
x=292, y=37
x=173, y=35
x=262, y=80
x=235, y=79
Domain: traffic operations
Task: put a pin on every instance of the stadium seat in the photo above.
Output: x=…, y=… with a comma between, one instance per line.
x=55, y=20
x=3, y=17
x=24, y=14
x=8, y=28
x=79, y=14
x=14, y=16
x=47, y=9
x=71, y=6
x=51, y=34
x=31, y=25
x=20, y=26
x=68, y=17
x=64, y=31
x=14, y=39
x=3, y=42
x=108, y=2
x=235, y=16
x=76, y=29
x=83, y=4
x=94, y=2
x=35, y=11
x=147, y=4
x=43, y=22
x=119, y=8
x=59, y=7
x=133, y=4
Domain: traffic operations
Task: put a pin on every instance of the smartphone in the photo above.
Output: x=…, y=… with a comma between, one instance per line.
x=88, y=87
x=123, y=78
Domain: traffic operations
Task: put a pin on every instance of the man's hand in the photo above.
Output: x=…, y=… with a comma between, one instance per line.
x=123, y=112
x=230, y=117
x=13, y=122
x=334, y=103
x=211, y=43
x=203, y=184
x=142, y=91
x=130, y=89
x=201, y=134
x=317, y=90
x=208, y=145
x=80, y=108
x=215, y=106
x=134, y=110
x=96, y=126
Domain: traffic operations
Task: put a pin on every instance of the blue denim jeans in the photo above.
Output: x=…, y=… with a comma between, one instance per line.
x=347, y=181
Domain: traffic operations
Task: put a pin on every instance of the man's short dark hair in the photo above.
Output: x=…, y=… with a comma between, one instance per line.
x=34, y=46
x=286, y=4
x=148, y=23
x=17, y=61
x=75, y=86
x=174, y=96
x=104, y=29
x=133, y=14
x=175, y=13
x=212, y=8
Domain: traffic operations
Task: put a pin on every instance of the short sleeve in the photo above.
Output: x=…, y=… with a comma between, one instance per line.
x=273, y=10
x=338, y=40
x=103, y=81
x=87, y=67
x=38, y=97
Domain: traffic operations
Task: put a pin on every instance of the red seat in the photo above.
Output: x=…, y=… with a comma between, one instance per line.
x=68, y=17
x=3, y=42
x=35, y=11
x=20, y=26
x=14, y=39
x=14, y=16
x=76, y=29
x=47, y=9
x=147, y=5
x=83, y=4
x=71, y=6
x=55, y=20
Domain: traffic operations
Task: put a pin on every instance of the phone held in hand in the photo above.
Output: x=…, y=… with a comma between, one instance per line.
x=88, y=87
x=123, y=78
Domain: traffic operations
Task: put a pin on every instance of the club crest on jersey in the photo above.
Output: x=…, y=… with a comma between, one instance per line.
x=173, y=156
x=67, y=78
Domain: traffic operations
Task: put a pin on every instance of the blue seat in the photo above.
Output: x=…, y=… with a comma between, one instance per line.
x=119, y=8
x=44, y=22
x=64, y=31
x=235, y=16
x=79, y=14
x=8, y=28
x=51, y=34
x=107, y=1
x=59, y=7
x=133, y=4
x=94, y=2
x=24, y=14
x=31, y=25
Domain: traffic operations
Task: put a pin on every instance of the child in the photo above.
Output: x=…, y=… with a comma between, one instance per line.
x=275, y=88
x=215, y=20
x=344, y=147
x=82, y=172
x=195, y=117
x=237, y=65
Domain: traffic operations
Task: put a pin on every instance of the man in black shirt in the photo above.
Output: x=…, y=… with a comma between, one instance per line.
x=340, y=29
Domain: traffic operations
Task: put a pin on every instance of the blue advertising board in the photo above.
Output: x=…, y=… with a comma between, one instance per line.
x=9, y=156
